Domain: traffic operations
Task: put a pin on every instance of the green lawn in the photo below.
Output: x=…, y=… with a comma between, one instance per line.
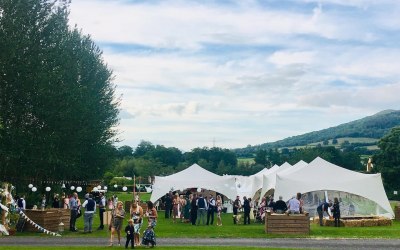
x=165, y=228
x=141, y=247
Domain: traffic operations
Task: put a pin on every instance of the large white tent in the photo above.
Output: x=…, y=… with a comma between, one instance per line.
x=194, y=177
x=322, y=175
x=269, y=178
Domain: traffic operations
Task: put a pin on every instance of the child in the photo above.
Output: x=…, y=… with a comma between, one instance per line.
x=129, y=230
x=149, y=237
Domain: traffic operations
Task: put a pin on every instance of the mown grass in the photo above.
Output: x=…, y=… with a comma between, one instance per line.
x=141, y=247
x=166, y=228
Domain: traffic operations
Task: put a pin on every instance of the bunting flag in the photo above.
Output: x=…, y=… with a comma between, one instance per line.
x=36, y=225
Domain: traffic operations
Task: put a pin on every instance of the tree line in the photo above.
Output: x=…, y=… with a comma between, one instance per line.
x=57, y=98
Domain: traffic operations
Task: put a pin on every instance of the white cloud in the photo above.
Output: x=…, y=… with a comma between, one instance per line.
x=245, y=72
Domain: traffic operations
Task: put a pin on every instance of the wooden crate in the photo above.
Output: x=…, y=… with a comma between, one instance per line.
x=48, y=219
x=287, y=224
x=397, y=212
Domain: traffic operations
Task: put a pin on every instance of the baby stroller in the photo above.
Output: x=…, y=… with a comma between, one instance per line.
x=149, y=237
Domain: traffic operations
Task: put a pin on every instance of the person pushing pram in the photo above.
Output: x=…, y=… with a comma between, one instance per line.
x=149, y=236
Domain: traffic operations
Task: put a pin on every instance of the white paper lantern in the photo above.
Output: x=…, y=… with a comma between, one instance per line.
x=79, y=189
x=72, y=188
x=115, y=185
x=30, y=186
x=34, y=189
x=95, y=189
x=105, y=187
x=199, y=190
x=98, y=187
x=124, y=188
x=48, y=189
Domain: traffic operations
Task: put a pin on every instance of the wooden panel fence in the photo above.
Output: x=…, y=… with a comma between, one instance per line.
x=287, y=224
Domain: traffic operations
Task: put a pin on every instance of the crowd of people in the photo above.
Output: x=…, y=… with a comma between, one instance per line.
x=89, y=207
x=193, y=208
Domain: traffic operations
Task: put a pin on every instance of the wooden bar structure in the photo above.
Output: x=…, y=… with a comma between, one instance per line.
x=48, y=219
x=397, y=212
x=287, y=224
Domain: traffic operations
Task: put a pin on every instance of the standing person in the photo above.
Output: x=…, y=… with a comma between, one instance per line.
x=186, y=209
x=271, y=203
x=151, y=213
x=201, y=209
x=73, y=205
x=90, y=206
x=56, y=201
x=301, y=203
x=251, y=209
x=21, y=203
x=193, y=209
x=43, y=203
x=136, y=213
x=129, y=230
x=321, y=209
x=219, y=210
x=78, y=214
x=236, y=206
x=246, y=210
x=175, y=207
x=262, y=208
x=336, y=211
x=210, y=210
x=168, y=205
x=182, y=204
x=102, y=209
x=118, y=215
x=66, y=201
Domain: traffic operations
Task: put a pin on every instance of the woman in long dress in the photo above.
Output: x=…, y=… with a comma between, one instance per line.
x=118, y=215
x=218, y=202
x=175, y=207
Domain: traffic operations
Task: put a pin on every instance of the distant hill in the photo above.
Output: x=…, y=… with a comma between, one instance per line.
x=373, y=127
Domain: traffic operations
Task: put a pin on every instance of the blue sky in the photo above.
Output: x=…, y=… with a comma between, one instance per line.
x=234, y=73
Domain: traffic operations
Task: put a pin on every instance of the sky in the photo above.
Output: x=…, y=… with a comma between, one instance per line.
x=236, y=73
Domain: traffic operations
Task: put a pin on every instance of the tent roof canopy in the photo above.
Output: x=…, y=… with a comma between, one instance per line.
x=194, y=177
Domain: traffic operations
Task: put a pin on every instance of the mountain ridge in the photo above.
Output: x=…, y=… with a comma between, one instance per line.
x=374, y=126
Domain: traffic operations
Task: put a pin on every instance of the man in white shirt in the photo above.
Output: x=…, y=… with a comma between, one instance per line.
x=90, y=206
x=210, y=210
x=294, y=206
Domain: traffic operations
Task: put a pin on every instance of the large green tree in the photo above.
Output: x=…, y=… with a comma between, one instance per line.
x=387, y=160
x=57, y=102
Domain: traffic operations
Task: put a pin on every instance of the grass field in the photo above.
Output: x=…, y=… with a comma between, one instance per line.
x=157, y=247
x=165, y=228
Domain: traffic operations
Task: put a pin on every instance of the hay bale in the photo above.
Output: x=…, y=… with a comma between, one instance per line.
x=385, y=222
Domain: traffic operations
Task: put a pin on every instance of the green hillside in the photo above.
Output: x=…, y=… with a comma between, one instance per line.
x=363, y=132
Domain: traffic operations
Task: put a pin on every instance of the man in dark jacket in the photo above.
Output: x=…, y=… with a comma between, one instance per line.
x=246, y=210
x=280, y=206
x=168, y=205
x=129, y=230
